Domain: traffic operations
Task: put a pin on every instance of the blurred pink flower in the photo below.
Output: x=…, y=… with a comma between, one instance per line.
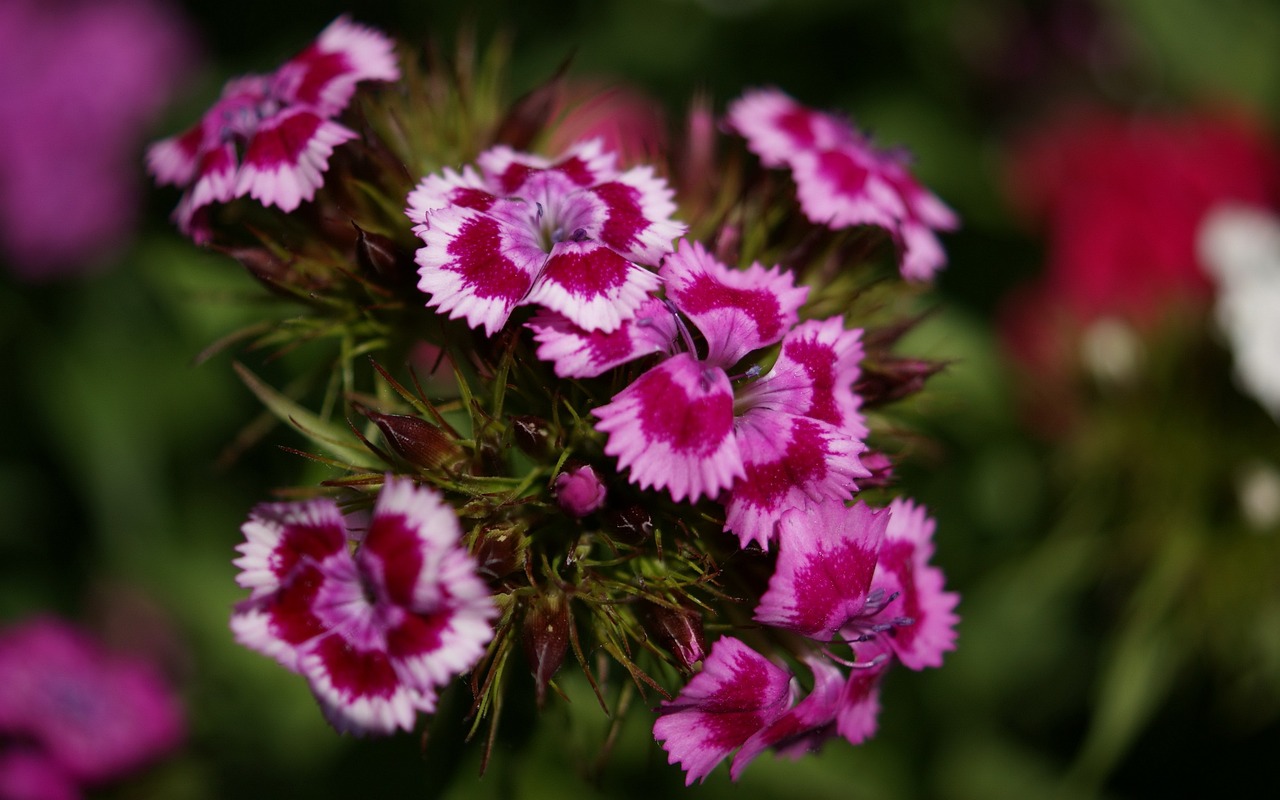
x=94, y=715
x=26, y=773
x=629, y=122
x=79, y=83
x=1121, y=197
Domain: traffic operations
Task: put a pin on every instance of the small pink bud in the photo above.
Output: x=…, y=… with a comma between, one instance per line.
x=579, y=491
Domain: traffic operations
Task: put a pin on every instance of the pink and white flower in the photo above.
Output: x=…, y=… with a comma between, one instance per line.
x=842, y=179
x=375, y=632
x=270, y=137
x=826, y=556
x=822, y=714
x=572, y=235
x=737, y=694
x=908, y=604
x=788, y=439
x=743, y=701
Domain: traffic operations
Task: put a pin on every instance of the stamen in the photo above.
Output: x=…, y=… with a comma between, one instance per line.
x=752, y=372
x=879, y=659
x=684, y=329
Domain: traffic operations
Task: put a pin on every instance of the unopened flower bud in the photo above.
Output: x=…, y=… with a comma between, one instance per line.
x=532, y=434
x=893, y=379
x=631, y=524
x=880, y=467
x=500, y=549
x=379, y=257
x=416, y=440
x=579, y=491
x=272, y=271
x=679, y=630
x=545, y=637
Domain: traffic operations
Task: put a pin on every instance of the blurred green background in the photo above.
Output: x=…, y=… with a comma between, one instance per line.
x=1104, y=651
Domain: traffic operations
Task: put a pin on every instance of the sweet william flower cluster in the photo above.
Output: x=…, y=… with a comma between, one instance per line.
x=577, y=405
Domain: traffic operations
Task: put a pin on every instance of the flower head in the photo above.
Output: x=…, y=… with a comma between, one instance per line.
x=96, y=716
x=738, y=693
x=842, y=179
x=780, y=442
x=826, y=556
x=907, y=610
x=375, y=633
x=572, y=235
x=270, y=137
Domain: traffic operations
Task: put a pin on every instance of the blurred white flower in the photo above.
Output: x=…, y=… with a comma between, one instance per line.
x=1240, y=248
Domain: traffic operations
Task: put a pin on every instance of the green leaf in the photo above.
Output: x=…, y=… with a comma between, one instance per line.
x=335, y=439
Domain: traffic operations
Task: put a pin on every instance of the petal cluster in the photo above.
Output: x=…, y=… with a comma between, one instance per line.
x=376, y=631
x=761, y=446
x=842, y=179
x=270, y=137
x=573, y=235
x=855, y=580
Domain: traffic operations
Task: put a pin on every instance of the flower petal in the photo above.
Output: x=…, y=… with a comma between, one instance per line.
x=674, y=428
x=826, y=557
x=737, y=693
x=591, y=285
x=814, y=376
x=860, y=703
x=278, y=625
x=843, y=187
x=789, y=462
x=449, y=188
x=514, y=173
x=805, y=726
x=215, y=183
x=281, y=538
x=412, y=558
x=737, y=310
x=578, y=353
x=326, y=73
x=638, y=222
x=286, y=157
x=904, y=569
x=476, y=267
x=358, y=687
x=174, y=160
x=777, y=128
